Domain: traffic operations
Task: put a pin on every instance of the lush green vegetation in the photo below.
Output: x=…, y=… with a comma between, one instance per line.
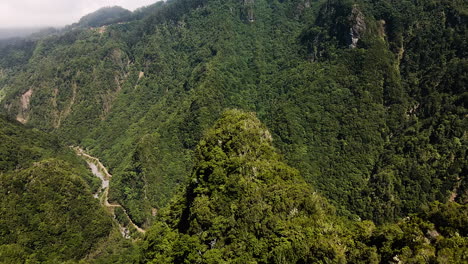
x=105, y=16
x=48, y=215
x=382, y=123
x=47, y=211
x=244, y=205
x=21, y=148
x=365, y=98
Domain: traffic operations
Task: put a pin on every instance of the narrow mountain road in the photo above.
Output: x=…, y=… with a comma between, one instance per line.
x=102, y=173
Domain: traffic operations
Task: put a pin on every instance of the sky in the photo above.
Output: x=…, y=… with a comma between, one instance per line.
x=40, y=13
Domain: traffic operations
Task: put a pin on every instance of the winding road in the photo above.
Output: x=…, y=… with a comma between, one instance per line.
x=98, y=169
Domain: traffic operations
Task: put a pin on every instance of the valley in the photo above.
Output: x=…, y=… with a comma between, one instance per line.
x=98, y=169
x=238, y=131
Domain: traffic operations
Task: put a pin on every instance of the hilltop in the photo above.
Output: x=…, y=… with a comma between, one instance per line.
x=365, y=99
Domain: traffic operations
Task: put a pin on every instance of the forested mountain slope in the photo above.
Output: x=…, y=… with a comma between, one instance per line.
x=367, y=99
x=47, y=212
x=243, y=204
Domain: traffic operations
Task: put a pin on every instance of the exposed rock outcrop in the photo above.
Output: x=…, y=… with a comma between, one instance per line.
x=25, y=101
x=248, y=10
x=358, y=26
x=303, y=5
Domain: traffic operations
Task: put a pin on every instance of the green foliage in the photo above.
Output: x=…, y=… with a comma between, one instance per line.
x=379, y=129
x=22, y=147
x=15, y=52
x=425, y=158
x=114, y=249
x=48, y=215
x=425, y=238
x=47, y=211
x=105, y=16
x=366, y=99
x=244, y=205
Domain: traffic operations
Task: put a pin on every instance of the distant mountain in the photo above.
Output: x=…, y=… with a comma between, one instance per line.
x=105, y=16
x=366, y=99
x=6, y=33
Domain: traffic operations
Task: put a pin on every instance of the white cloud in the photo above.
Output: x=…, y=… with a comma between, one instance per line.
x=37, y=13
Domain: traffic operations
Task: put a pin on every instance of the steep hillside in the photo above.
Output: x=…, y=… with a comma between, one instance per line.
x=48, y=215
x=362, y=97
x=22, y=147
x=47, y=210
x=243, y=204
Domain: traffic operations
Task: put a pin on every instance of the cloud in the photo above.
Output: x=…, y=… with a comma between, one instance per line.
x=38, y=13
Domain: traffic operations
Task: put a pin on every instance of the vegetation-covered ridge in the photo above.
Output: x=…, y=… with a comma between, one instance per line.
x=367, y=99
x=245, y=205
x=47, y=212
x=105, y=16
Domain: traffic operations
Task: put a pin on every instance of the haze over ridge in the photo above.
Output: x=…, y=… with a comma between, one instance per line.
x=55, y=13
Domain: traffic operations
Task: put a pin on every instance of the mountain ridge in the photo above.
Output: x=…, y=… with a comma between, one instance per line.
x=178, y=65
x=361, y=97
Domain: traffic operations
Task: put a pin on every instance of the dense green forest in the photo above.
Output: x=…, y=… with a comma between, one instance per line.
x=365, y=99
x=243, y=204
x=47, y=210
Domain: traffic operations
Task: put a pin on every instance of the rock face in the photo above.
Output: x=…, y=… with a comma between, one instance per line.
x=303, y=5
x=338, y=23
x=248, y=12
x=25, y=101
x=358, y=26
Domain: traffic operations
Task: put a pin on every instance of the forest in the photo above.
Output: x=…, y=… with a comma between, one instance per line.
x=260, y=131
